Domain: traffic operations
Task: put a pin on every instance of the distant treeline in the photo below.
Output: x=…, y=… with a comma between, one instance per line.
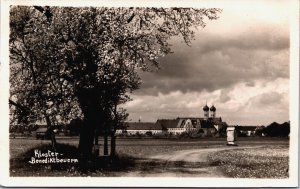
x=73, y=129
x=273, y=130
x=277, y=130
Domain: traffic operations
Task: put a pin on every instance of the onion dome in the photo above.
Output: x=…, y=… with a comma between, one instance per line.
x=213, y=109
x=205, y=108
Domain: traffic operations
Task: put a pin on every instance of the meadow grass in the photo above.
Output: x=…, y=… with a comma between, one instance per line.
x=132, y=156
x=99, y=166
x=264, y=162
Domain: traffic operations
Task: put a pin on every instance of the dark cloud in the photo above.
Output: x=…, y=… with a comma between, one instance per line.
x=240, y=63
x=253, y=39
x=214, y=62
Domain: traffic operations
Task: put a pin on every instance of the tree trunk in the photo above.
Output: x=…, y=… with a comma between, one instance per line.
x=105, y=144
x=86, y=139
x=113, y=145
x=113, y=132
x=88, y=100
x=96, y=150
x=50, y=129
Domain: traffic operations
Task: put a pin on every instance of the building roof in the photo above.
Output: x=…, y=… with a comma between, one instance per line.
x=200, y=118
x=247, y=128
x=167, y=123
x=142, y=126
x=163, y=124
x=216, y=120
x=206, y=124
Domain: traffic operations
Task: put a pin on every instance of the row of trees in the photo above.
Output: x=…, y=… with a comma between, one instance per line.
x=81, y=63
x=276, y=130
x=273, y=130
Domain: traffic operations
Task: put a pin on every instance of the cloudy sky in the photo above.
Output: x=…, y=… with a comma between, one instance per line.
x=239, y=63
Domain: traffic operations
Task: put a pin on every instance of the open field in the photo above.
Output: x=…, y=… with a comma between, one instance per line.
x=263, y=162
x=163, y=157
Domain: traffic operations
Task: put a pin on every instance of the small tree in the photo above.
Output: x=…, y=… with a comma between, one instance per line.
x=118, y=123
x=149, y=133
x=259, y=131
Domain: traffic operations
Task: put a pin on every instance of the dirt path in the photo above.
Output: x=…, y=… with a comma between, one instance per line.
x=185, y=163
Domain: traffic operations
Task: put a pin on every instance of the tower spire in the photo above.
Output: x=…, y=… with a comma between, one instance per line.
x=206, y=111
x=213, y=111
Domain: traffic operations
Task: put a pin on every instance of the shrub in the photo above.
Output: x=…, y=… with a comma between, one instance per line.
x=184, y=135
x=277, y=130
x=149, y=133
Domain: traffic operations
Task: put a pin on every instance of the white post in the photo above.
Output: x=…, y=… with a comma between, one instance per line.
x=231, y=136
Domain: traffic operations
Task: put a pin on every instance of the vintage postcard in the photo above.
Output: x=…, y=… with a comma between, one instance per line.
x=149, y=93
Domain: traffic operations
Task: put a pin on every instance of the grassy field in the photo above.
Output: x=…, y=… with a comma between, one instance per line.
x=264, y=162
x=133, y=154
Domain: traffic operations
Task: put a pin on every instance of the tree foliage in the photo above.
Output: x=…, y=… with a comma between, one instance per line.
x=277, y=130
x=69, y=62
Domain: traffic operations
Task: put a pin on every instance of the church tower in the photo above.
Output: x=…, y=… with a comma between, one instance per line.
x=206, y=112
x=213, y=111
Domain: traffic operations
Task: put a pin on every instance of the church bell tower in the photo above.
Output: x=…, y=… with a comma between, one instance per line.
x=206, y=112
x=213, y=111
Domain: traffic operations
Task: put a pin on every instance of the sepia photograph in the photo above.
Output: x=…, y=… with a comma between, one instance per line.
x=150, y=94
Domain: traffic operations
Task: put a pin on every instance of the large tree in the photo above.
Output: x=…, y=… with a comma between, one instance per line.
x=71, y=62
